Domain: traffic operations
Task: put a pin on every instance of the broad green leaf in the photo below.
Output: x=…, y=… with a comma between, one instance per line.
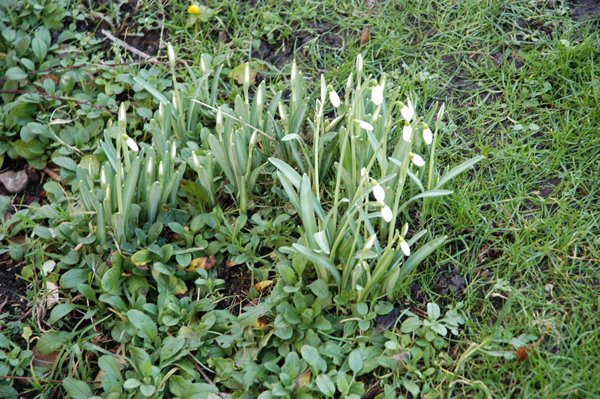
x=355, y=361
x=142, y=322
x=319, y=288
x=248, y=318
x=325, y=385
x=76, y=389
x=40, y=49
x=15, y=73
x=311, y=355
x=60, y=311
x=410, y=325
x=110, y=280
x=171, y=347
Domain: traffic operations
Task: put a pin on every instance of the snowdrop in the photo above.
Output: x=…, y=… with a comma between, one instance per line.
x=379, y=193
x=417, y=160
x=377, y=95
x=364, y=125
x=333, y=97
x=404, y=247
x=407, y=111
x=387, y=214
x=427, y=136
x=407, y=132
x=131, y=143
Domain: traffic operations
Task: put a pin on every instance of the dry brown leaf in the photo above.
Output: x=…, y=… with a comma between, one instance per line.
x=302, y=380
x=40, y=360
x=261, y=322
x=53, y=295
x=261, y=285
x=365, y=36
x=229, y=264
x=205, y=263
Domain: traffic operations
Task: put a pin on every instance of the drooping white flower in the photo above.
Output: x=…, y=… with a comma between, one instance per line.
x=363, y=172
x=379, y=193
x=387, y=214
x=334, y=98
x=407, y=111
x=377, y=95
x=407, y=132
x=131, y=143
x=364, y=125
x=417, y=160
x=369, y=243
x=404, y=247
x=427, y=136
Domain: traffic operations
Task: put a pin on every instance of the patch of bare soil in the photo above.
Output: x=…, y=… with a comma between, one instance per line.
x=583, y=10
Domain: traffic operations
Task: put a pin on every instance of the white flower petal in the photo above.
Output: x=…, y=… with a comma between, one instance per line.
x=417, y=160
x=334, y=98
x=427, y=136
x=387, y=214
x=405, y=248
x=364, y=125
x=377, y=95
x=407, y=112
x=379, y=193
x=369, y=243
x=132, y=144
x=407, y=133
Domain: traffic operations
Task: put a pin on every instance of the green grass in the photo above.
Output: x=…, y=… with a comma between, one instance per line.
x=534, y=202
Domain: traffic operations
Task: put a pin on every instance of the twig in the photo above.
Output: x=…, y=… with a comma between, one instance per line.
x=206, y=378
x=52, y=174
x=125, y=45
x=14, y=377
x=237, y=120
x=102, y=107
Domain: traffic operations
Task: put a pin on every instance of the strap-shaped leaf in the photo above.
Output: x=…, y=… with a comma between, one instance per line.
x=418, y=256
x=288, y=171
x=458, y=170
x=319, y=260
x=426, y=194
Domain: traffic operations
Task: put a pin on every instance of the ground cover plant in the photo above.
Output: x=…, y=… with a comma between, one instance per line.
x=299, y=199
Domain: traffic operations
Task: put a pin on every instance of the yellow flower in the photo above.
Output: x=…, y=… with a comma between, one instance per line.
x=194, y=9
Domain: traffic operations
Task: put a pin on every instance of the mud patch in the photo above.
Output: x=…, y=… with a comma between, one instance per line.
x=13, y=290
x=583, y=10
x=237, y=285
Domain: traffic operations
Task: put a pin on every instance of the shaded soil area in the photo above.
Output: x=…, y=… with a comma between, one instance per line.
x=237, y=285
x=12, y=288
x=33, y=192
x=583, y=10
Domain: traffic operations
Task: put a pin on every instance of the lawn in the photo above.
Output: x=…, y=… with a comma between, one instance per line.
x=197, y=202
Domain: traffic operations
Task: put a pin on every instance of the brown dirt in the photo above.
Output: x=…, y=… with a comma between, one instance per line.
x=12, y=288
x=584, y=10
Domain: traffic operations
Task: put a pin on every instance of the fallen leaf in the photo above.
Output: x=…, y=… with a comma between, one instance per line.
x=53, y=296
x=47, y=361
x=524, y=351
x=239, y=71
x=302, y=380
x=261, y=322
x=229, y=264
x=261, y=285
x=365, y=36
x=486, y=252
x=205, y=263
x=402, y=356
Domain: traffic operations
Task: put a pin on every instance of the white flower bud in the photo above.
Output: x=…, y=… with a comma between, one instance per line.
x=103, y=180
x=404, y=230
x=363, y=172
x=377, y=95
x=334, y=98
x=202, y=65
x=173, y=151
x=108, y=192
x=379, y=193
x=253, y=140
x=122, y=113
x=161, y=111
x=404, y=247
x=171, y=53
x=364, y=125
x=149, y=167
x=387, y=214
x=417, y=160
x=427, y=136
x=219, y=120
x=407, y=132
x=369, y=243
x=359, y=64
x=293, y=76
x=247, y=75
x=196, y=160
x=161, y=170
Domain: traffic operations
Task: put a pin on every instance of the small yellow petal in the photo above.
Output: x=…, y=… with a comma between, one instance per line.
x=194, y=9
